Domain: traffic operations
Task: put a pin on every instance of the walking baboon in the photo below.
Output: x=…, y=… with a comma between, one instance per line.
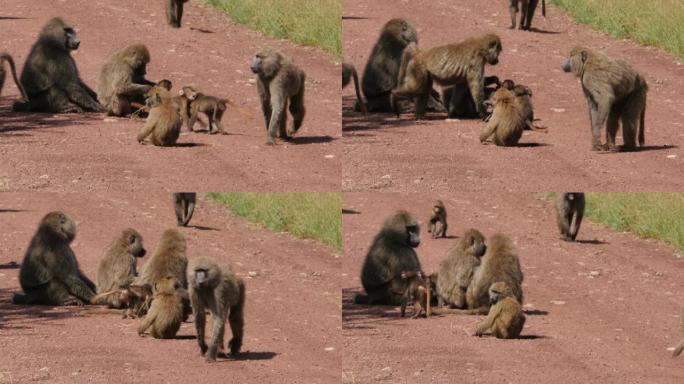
x=216, y=288
x=117, y=269
x=505, y=319
x=6, y=57
x=457, y=268
x=390, y=254
x=50, y=76
x=163, y=123
x=680, y=347
x=166, y=312
x=527, y=8
x=212, y=107
x=174, y=12
x=438, y=215
x=184, y=204
x=122, y=80
x=459, y=101
x=569, y=205
x=49, y=273
x=418, y=291
x=278, y=80
x=349, y=73
x=507, y=121
x=614, y=91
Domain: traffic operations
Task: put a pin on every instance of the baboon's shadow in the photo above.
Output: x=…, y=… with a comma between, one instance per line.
x=350, y=212
x=249, y=355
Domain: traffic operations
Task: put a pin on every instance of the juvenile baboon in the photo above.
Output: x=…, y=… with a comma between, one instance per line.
x=569, y=205
x=163, y=123
x=211, y=106
x=49, y=273
x=122, y=80
x=174, y=12
x=6, y=57
x=166, y=312
x=278, y=80
x=216, y=288
x=505, y=319
x=165, y=83
x=447, y=65
x=614, y=91
x=390, y=254
x=349, y=73
x=418, y=291
x=457, y=268
x=459, y=101
x=184, y=204
x=680, y=347
x=50, y=76
x=507, y=121
x=527, y=8
x=117, y=269
x=438, y=215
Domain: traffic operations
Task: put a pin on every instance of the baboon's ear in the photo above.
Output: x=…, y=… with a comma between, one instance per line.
x=584, y=56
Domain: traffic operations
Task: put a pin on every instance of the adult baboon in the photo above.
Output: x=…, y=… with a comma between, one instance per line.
x=278, y=80
x=569, y=205
x=184, y=205
x=50, y=274
x=680, y=347
x=447, y=65
x=122, y=80
x=50, y=76
x=349, y=73
x=614, y=91
x=163, y=123
x=169, y=259
x=438, y=214
x=418, y=291
x=6, y=57
x=166, y=312
x=505, y=319
x=527, y=8
x=216, y=288
x=117, y=269
x=457, y=268
x=459, y=101
x=174, y=12
x=390, y=254
x=507, y=122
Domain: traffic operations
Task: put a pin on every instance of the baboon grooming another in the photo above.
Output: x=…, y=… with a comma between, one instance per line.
x=527, y=8
x=438, y=215
x=6, y=57
x=569, y=204
x=457, y=268
x=680, y=347
x=117, y=270
x=505, y=319
x=122, y=80
x=418, y=291
x=166, y=312
x=614, y=91
x=50, y=76
x=217, y=289
x=163, y=123
x=49, y=273
x=507, y=121
x=174, y=12
x=278, y=80
x=349, y=73
x=184, y=205
x=390, y=254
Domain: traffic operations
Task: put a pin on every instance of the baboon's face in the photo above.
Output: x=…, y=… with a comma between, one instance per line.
x=135, y=245
x=498, y=291
x=575, y=63
x=476, y=243
x=493, y=50
x=71, y=40
x=61, y=225
x=155, y=96
x=266, y=63
x=188, y=92
x=402, y=31
x=413, y=234
x=502, y=95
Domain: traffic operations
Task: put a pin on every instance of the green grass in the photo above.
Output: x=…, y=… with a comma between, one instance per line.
x=653, y=22
x=308, y=215
x=308, y=22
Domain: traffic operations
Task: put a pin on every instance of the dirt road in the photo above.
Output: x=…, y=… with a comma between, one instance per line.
x=607, y=307
x=383, y=153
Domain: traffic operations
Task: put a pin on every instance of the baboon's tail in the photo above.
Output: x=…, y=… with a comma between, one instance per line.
x=6, y=56
x=544, y=8
x=642, y=127
x=243, y=111
x=19, y=298
x=679, y=349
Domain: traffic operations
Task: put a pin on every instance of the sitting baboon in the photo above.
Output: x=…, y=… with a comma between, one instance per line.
x=117, y=269
x=680, y=347
x=459, y=101
x=166, y=311
x=49, y=273
x=169, y=259
x=216, y=288
x=174, y=12
x=184, y=205
x=418, y=291
x=390, y=254
x=507, y=122
x=527, y=8
x=50, y=76
x=457, y=268
x=278, y=80
x=569, y=205
x=505, y=319
x=163, y=123
x=438, y=214
x=122, y=80
x=349, y=73
x=614, y=91
x=6, y=57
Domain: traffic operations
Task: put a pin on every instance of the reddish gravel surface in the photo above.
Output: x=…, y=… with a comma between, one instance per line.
x=91, y=152
x=383, y=153
x=615, y=327
x=292, y=331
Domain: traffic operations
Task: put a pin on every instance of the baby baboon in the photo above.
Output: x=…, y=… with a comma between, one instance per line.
x=117, y=270
x=50, y=76
x=614, y=91
x=507, y=122
x=680, y=347
x=457, y=268
x=6, y=57
x=50, y=274
x=163, y=123
x=438, y=215
x=184, y=204
x=505, y=319
x=212, y=107
x=418, y=291
x=459, y=102
x=569, y=204
x=122, y=80
x=217, y=289
x=166, y=312
x=390, y=254
x=527, y=8
x=174, y=12
x=349, y=73
x=278, y=80
x=165, y=83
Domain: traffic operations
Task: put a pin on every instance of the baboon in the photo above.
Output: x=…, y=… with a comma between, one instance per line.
x=184, y=204
x=507, y=121
x=457, y=268
x=527, y=8
x=117, y=269
x=50, y=76
x=459, y=101
x=135, y=298
x=505, y=319
x=216, y=288
x=49, y=274
x=6, y=57
x=523, y=98
x=447, y=65
x=438, y=215
x=174, y=12
x=169, y=259
x=211, y=106
x=166, y=312
x=418, y=291
x=163, y=123
x=122, y=80
x=614, y=91
x=165, y=83
x=349, y=73
x=680, y=347
x=390, y=254
x=278, y=80
x=569, y=204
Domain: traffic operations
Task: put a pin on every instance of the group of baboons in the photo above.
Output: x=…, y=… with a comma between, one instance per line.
x=399, y=74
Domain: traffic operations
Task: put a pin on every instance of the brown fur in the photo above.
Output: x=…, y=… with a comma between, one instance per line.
x=507, y=122
x=166, y=312
x=184, y=205
x=6, y=57
x=459, y=101
x=419, y=292
x=135, y=298
x=569, y=205
x=211, y=106
x=174, y=12
x=117, y=269
x=457, y=268
x=527, y=8
x=348, y=74
x=438, y=215
x=122, y=80
x=505, y=319
x=163, y=123
x=165, y=83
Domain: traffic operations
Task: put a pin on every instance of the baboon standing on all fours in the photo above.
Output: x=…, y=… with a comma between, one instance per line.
x=438, y=215
x=184, y=205
x=49, y=273
x=569, y=205
x=279, y=80
x=50, y=76
x=349, y=73
x=174, y=12
x=391, y=253
x=6, y=57
x=117, y=269
x=614, y=91
x=505, y=319
x=166, y=312
x=122, y=80
x=527, y=8
x=457, y=268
